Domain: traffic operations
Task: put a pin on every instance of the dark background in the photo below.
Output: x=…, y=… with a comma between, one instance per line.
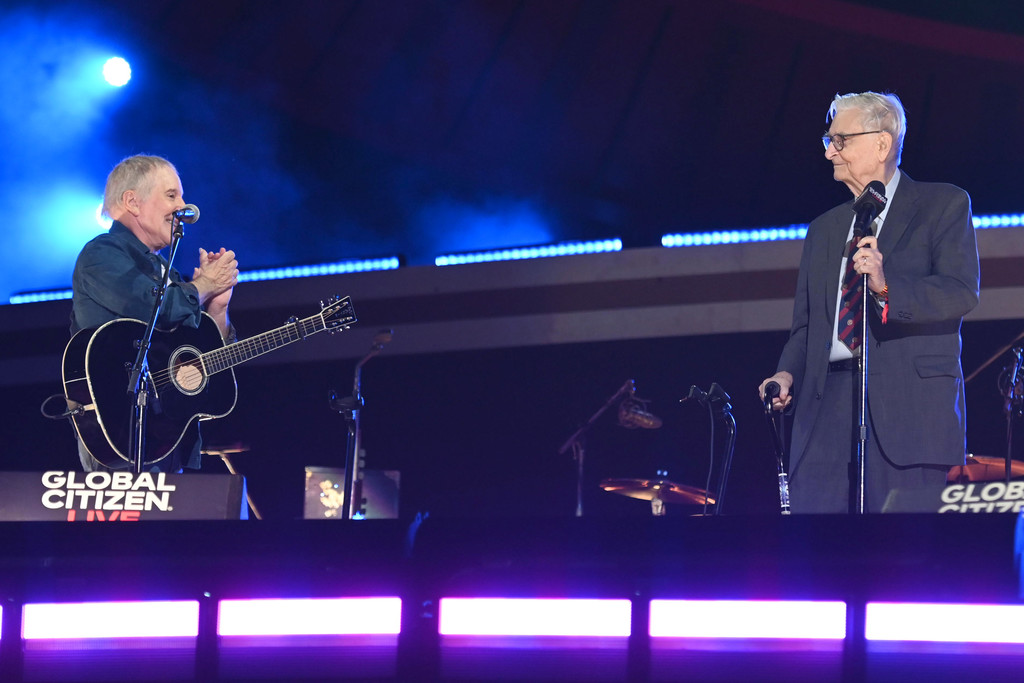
x=315, y=131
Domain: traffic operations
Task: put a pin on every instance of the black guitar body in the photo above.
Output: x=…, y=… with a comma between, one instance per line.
x=97, y=366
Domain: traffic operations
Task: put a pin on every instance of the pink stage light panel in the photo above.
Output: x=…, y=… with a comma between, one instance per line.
x=533, y=617
x=156, y=619
x=945, y=622
x=748, y=619
x=310, y=616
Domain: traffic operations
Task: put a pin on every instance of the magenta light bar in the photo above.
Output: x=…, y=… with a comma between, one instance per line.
x=310, y=616
x=945, y=622
x=156, y=619
x=533, y=617
x=748, y=619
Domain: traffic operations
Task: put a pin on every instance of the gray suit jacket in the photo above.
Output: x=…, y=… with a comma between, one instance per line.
x=915, y=382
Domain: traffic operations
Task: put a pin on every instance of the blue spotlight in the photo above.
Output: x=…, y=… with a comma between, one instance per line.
x=117, y=71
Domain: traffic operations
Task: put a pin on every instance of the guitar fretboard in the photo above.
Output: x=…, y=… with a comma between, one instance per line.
x=239, y=352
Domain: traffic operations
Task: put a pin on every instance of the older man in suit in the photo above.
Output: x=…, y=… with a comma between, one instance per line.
x=923, y=277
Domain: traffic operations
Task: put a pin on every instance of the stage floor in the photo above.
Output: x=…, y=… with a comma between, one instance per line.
x=856, y=560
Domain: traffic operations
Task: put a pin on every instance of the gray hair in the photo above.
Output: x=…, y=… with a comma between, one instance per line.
x=133, y=173
x=878, y=112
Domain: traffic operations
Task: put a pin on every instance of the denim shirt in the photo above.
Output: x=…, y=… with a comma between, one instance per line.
x=116, y=276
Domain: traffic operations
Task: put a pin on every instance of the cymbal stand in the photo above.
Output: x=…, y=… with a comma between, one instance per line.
x=1014, y=404
x=576, y=441
x=349, y=407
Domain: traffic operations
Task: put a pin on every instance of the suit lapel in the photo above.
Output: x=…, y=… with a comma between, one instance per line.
x=838, y=230
x=901, y=211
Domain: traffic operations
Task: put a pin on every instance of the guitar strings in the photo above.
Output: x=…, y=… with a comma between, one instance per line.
x=228, y=355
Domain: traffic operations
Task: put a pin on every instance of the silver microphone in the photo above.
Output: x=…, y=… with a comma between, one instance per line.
x=187, y=214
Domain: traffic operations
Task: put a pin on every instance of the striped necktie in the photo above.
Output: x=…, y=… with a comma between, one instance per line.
x=850, y=307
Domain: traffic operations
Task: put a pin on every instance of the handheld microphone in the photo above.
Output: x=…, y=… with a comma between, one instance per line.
x=771, y=390
x=868, y=206
x=187, y=214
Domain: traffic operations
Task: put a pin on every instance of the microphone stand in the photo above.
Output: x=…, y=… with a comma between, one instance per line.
x=576, y=441
x=139, y=379
x=1014, y=404
x=349, y=407
x=717, y=401
x=860, y=454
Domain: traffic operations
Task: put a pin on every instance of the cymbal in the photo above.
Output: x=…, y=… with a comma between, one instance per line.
x=656, y=489
x=985, y=468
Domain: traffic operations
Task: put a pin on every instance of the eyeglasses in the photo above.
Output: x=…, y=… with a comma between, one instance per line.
x=838, y=140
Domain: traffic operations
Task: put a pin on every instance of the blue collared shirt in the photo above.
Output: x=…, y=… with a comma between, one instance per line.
x=116, y=276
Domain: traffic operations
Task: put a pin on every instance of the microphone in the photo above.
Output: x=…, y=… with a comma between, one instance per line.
x=771, y=390
x=867, y=206
x=633, y=415
x=188, y=214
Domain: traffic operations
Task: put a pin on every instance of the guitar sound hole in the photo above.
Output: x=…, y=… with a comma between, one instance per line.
x=188, y=377
x=187, y=372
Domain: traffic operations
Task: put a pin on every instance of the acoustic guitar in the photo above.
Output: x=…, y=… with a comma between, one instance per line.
x=190, y=378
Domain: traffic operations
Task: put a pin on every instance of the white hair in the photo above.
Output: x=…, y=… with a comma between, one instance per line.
x=878, y=112
x=133, y=173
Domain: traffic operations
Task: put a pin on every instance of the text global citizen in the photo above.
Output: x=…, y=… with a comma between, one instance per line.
x=123, y=495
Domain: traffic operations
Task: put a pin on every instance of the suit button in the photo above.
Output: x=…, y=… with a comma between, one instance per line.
x=818, y=396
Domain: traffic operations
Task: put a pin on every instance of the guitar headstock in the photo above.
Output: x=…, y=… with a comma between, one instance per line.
x=337, y=313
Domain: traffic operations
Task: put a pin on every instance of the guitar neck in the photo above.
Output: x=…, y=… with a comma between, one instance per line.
x=246, y=349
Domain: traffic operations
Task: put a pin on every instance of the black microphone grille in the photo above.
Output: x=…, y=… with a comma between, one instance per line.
x=188, y=213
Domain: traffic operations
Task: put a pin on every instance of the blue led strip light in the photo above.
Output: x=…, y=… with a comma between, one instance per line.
x=342, y=267
x=798, y=231
x=32, y=297
x=702, y=239
x=339, y=268
x=539, y=251
x=1014, y=220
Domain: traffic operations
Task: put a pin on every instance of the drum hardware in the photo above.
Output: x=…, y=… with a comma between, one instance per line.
x=632, y=413
x=225, y=453
x=1011, y=385
x=984, y=468
x=658, y=491
x=349, y=407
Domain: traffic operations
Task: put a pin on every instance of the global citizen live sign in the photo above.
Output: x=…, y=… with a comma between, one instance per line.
x=120, y=496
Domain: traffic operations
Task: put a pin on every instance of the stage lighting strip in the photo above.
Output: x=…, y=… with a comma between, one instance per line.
x=789, y=620
x=339, y=268
x=798, y=231
x=697, y=239
x=944, y=623
x=530, y=252
x=96, y=620
x=534, y=617
x=310, y=617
